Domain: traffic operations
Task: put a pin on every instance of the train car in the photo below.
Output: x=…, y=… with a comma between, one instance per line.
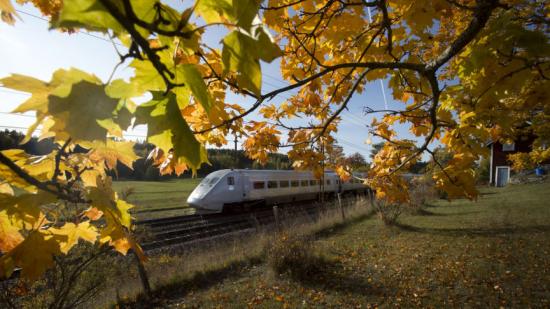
x=237, y=190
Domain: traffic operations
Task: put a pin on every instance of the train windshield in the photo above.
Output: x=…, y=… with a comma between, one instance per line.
x=209, y=181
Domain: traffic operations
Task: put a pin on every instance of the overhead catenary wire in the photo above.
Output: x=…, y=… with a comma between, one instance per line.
x=8, y=90
x=381, y=82
x=17, y=115
x=78, y=32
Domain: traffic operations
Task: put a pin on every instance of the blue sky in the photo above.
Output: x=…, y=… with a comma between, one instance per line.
x=29, y=48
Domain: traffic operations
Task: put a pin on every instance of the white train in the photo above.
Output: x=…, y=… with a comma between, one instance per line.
x=232, y=190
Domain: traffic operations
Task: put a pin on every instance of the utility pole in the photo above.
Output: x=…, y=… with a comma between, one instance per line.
x=235, y=164
x=323, y=175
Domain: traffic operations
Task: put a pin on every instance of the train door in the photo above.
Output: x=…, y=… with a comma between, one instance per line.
x=233, y=188
x=245, y=185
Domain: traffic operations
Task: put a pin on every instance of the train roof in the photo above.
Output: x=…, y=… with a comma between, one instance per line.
x=252, y=171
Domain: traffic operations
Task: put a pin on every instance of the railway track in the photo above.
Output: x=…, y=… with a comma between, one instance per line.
x=179, y=230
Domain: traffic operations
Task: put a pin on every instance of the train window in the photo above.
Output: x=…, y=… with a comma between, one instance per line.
x=328, y=182
x=230, y=181
x=295, y=183
x=272, y=184
x=259, y=184
x=304, y=183
x=283, y=183
x=312, y=182
x=209, y=181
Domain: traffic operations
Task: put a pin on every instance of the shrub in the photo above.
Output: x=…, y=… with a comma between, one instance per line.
x=75, y=280
x=295, y=256
x=421, y=190
x=388, y=212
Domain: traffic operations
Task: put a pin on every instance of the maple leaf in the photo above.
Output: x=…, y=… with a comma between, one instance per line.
x=5, y=188
x=93, y=213
x=242, y=53
x=43, y=247
x=9, y=232
x=111, y=152
x=74, y=232
x=26, y=207
x=240, y=12
x=78, y=113
x=124, y=216
x=7, y=12
x=90, y=14
x=167, y=129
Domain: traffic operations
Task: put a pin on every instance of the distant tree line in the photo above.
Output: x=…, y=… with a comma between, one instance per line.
x=219, y=159
x=142, y=168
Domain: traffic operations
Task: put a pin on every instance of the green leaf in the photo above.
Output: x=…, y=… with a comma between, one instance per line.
x=167, y=129
x=92, y=15
x=192, y=79
x=78, y=113
x=239, y=55
x=268, y=50
x=245, y=11
x=215, y=10
x=89, y=14
x=121, y=89
x=146, y=77
x=239, y=12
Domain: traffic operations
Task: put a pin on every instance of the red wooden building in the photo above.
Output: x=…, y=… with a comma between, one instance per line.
x=500, y=167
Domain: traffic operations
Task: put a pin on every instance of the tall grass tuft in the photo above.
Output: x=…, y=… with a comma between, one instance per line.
x=294, y=255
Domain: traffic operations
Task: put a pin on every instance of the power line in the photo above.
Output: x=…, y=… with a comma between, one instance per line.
x=5, y=89
x=20, y=115
x=352, y=145
x=381, y=83
x=85, y=33
x=350, y=118
x=14, y=127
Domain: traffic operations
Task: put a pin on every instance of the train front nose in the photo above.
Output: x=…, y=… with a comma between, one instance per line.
x=194, y=202
x=199, y=199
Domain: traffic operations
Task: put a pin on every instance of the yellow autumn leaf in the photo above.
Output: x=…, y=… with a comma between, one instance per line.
x=110, y=152
x=73, y=233
x=10, y=236
x=43, y=247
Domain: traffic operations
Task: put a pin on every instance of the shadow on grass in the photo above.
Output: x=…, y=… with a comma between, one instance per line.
x=487, y=193
x=330, y=275
x=427, y=213
x=424, y=212
x=488, y=232
x=200, y=280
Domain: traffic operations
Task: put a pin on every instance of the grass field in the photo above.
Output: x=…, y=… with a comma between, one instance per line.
x=494, y=253
x=158, y=198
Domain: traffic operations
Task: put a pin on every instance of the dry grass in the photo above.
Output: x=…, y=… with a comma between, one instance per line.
x=489, y=254
x=180, y=270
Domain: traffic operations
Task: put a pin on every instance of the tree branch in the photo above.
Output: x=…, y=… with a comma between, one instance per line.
x=44, y=186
